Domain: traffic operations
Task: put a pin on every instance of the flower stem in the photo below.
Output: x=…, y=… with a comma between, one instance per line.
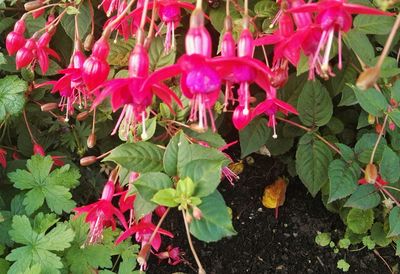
x=108, y=29
x=28, y=127
x=387, y=192
x=388, y=43
x=201, y=269
x=371, y=160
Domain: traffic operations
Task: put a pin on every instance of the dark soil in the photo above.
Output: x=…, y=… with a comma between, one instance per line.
x=264, y=244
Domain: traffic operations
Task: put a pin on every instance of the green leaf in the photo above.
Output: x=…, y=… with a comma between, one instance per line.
x=166, y=197
x=365, y=145
x=373, y=24
x=347, y=152
x=342, y=179
x=138, y=157
x=44, y=185
x=394, y=222
x=360, y=221
x=142, y=207
x=170, y=161
x=68, y=22
x=253, y=136
x=314, y=105
x=395, y=91
x=343, y=265
x=265, y=8
x=84, y=260
x=206, y=174
x=323, y=239
x=378, y=235
x=12, y=99
x=120, y=52
x=148, y=184
x=158, y=57
x=365, y=197
x=151, y=125
x=215, y=223
x=394, y=115
x=312, y=161
x=371, y=101
x=212, y=138
x=344, y=243
x=389, y=166
x=360, y=44
x=368, y=242
x=37, y=246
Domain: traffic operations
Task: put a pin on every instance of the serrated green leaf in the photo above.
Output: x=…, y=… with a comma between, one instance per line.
x=323, y=239
x=265, y=8
x=371, y=101
x=178, y=145
x=142, y=207
x=360, y=221
x=84, y=21
x=365, y=197
x=360, y=44
x=215, y=223
x=166, y=197
x=120, y=52
x=394, y=115
x=157, y=55
x=84, y=260
x=253, y=136
x=343, y=179
x=312, y=161
x=347, y=152
x=314, y=105
x=212, y=138
x=395, y=91
x=206, y=174
x=12, y=99
x=148, y=184
x=378, y=235
x=373, y=24
x=343, y=265
x=365, y=145
x=389, y=166
x=138, y=157
x=394, y=222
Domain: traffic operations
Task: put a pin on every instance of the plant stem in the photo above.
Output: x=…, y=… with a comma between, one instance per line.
x=332, y=146
x=28, y=127
x=201, y=269
x=388, y=42
x=108, y=29
x=371, y=160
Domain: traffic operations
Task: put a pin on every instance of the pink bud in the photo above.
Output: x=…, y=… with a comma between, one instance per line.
x=25, y=54
x=44, y=39
x=78, y=59
x=139, y=62
x=198, y=39
x=392, y=126
x=245, y=44
x=38, y=150
x=101, y=49
x=240, y=118
x=228, y=47
x=14, y=42
x=95, y=71
x=160, y=210
x=197, y=214
x=108, y=191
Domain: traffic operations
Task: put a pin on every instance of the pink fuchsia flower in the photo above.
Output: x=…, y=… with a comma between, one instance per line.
x=3, y=161
x=142, y=231
x=270, y=107
x=38, y=150
x=101, y=214
x=198, y=39
x=15, y=39
x=126, y=201
x=228, y=49
x=127, y=93
x=333, y=16
x=95, y=68
x=109, y=6
x=173, y=254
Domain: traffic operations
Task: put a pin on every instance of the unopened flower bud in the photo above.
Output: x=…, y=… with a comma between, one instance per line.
x=144, y=254
x=197, y=128
x=188, y=217
x=38, y=149
x=89, y=42
x=33, y=5
x=82, y=116
x=368, y=78
x=371, y=173
x=197, y=214
x=91, y=140
x=88, y=160
x=379, y=128
x=371, y=119
x=392, y=126
x=48, y=106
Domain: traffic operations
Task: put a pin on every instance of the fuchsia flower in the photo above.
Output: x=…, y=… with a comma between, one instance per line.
x=228, y=49
x=71, y=87
x=36, y=50
x=173, y=254
x=95, y=68
x=126, y=202
x=109, y=6
x=127, y=92
x=38, y=150
x=101, y=214
x=332, y=16
x=379, y=182
x=143, y=230
x=15, y=39
x=270, y=107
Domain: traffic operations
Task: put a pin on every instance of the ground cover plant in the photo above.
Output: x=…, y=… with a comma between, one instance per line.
x=116, y=115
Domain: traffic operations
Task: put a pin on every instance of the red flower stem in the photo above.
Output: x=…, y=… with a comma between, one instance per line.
x=108, y=29
x=150, y=35
x=387, y=192
x=28, y=127
x=53, y=23
x=332, y=146
x=94, y=121
x=41, y=8
x=389, y=41
x=201, y=269
x=371, y=160
x=91, y=16
x=144, y=14
x=103, y=155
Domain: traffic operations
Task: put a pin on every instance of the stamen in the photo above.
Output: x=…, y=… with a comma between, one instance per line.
x=144, y=133
x=325, y=63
